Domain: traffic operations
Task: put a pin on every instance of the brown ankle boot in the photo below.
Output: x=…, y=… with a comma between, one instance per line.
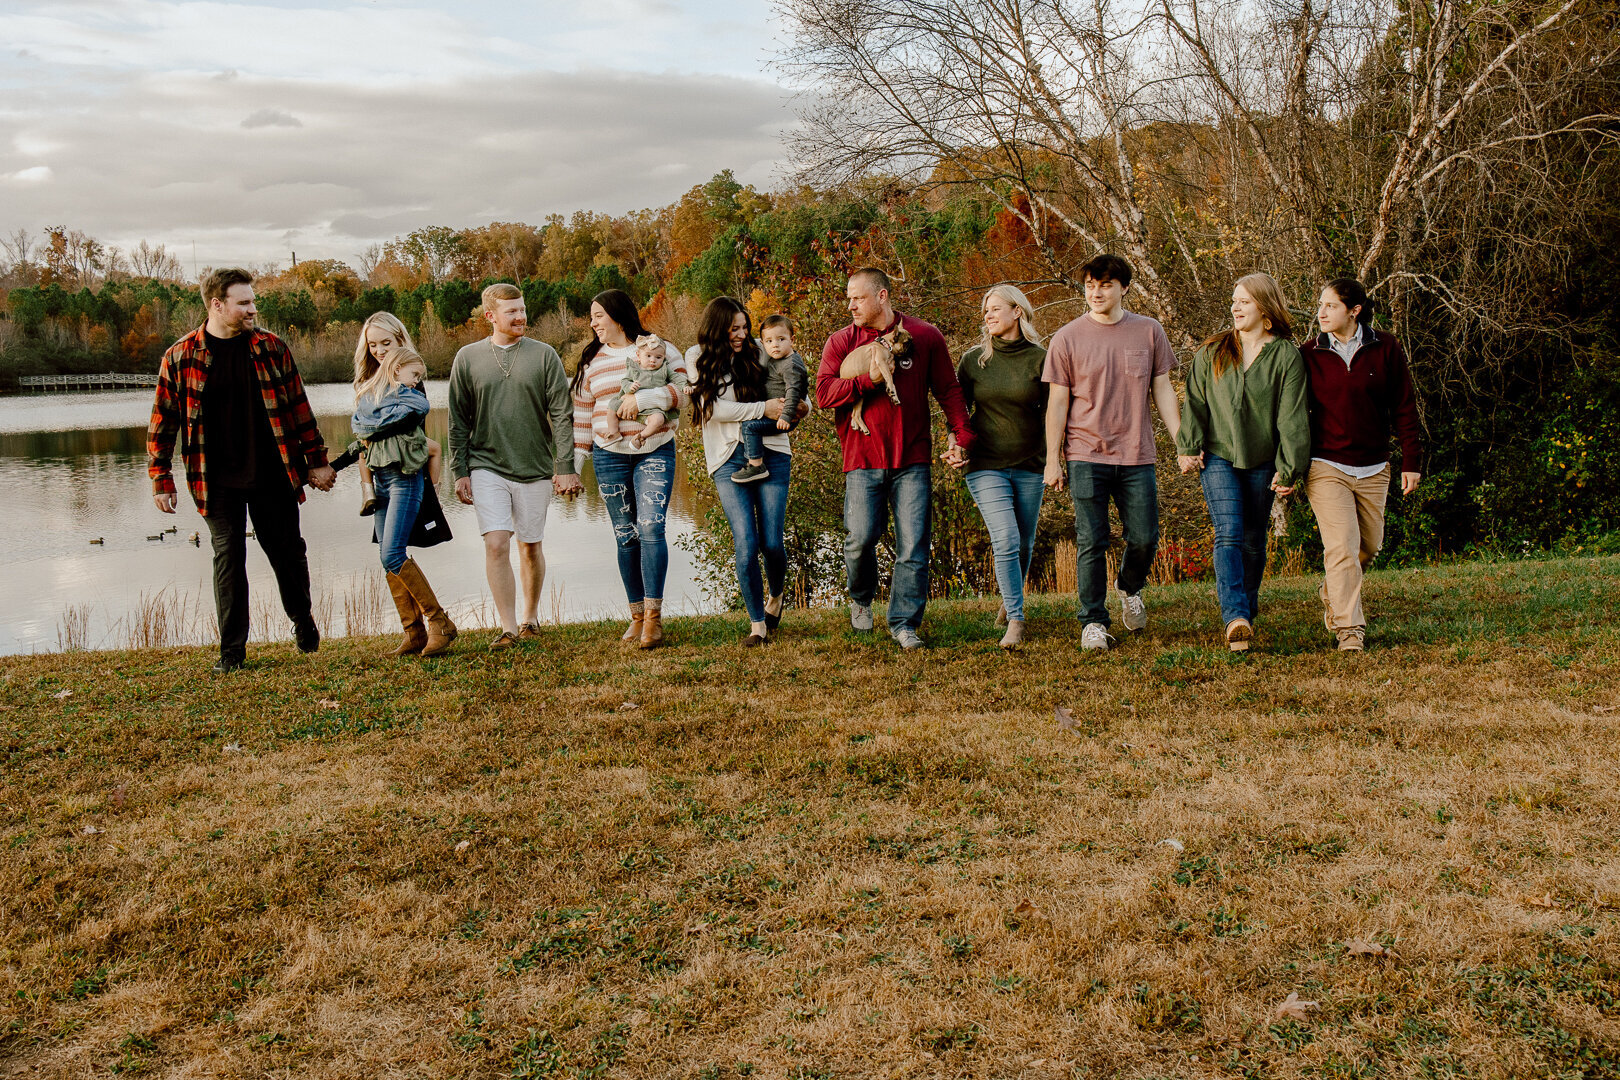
x=440, y=630
x=652, y=626
x=410, y=617
x=632, y=636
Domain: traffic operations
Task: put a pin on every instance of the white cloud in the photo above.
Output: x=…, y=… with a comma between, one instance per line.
x=271, y=118
x=36, y=175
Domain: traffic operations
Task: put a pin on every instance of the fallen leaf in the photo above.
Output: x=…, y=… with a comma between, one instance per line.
x=698, y=928
x=1358, y=947
x=1605, y=708
x=1545, y=900
x=90, y=830
x=1026, y=908
x=1291, y=1008
x=232, y=748
x=62, y=695
x=627, y=706
x=117, y=796
x=461, y=848
x=1170, y=842
x=1065, y=719
x=327, y=703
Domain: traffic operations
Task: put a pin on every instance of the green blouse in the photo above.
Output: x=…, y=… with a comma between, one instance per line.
x=1251, y=418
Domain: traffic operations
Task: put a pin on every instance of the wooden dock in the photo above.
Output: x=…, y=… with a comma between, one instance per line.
x=56, y=384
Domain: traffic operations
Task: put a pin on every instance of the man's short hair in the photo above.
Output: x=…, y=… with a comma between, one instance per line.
x=501, y=290
x=874, y=277
x=777, y=320
x=216, y=283
x=1107, y=268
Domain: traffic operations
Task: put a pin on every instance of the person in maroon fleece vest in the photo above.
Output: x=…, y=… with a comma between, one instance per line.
x=889, y=470
x=1360, y=398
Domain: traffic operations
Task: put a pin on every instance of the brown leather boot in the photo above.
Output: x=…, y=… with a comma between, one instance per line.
x=652, y=626
x=440, y=630
x=632, y=636
x=410, y=617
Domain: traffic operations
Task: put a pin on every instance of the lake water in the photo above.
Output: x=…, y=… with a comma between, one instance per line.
x=73, y=469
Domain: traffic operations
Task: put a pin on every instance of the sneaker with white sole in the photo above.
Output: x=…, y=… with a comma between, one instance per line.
x=1095, y=636
x=860, y=616
x=1132, y=611
x=909, y=639
x=1351, y=639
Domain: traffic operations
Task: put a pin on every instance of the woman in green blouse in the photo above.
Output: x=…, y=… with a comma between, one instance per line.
x=1001, y=382
x=1246, y=428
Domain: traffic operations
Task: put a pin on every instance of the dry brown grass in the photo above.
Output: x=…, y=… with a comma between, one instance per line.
x=828, y=858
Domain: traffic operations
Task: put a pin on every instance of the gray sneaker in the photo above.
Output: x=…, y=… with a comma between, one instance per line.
x=1095, y=636
x=1132, y=611
x=909, y=639
x=860, y=616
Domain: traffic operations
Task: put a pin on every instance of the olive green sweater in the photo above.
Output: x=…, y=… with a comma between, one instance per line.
x=1251, y=418
x=1006, y=400
x=517, y=421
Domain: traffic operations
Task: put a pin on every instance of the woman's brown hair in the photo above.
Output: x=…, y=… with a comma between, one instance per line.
x=1267, y=295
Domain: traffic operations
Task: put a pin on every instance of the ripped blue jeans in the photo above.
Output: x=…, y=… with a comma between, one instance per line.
x=636, y=489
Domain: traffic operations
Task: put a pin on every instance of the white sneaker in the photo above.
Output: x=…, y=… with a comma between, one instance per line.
x=860, y=616
x=1095, y=636
x=909, y=639
x=1133, y=612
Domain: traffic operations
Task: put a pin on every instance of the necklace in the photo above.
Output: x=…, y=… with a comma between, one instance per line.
x=503, y=358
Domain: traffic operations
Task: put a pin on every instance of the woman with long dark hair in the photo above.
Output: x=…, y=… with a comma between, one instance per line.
x=728, y=388
x=1244, y=428
x=635, y=480
x=1360, y=397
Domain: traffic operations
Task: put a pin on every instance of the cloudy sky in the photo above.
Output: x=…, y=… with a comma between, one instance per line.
x=253, y=128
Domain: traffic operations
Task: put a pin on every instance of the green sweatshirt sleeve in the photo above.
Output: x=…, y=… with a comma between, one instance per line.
x=461, y=420
x=560, y=407
x=964, y=376
x=1195, y=410
x=1293, y=421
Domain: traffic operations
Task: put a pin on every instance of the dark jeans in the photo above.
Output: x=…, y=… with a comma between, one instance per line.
x=399, y=498
x=757, y=514
x=636, y=489
x=1135, y=490
x=275, y=520
x=754, y=433
x=1009, y=500
x=1240, y=509
x=869, y=495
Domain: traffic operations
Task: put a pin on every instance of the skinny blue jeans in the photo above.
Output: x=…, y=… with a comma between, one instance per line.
x=869, y=497
x=636, y=489
x=757, y=514
x=1135, y=491
x=1009, y=500
x=399, y=500
x=1240, y=508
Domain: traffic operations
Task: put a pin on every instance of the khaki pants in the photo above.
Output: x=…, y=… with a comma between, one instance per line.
x=1350, y=513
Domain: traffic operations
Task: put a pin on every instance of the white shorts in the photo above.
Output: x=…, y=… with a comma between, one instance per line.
x=504, y=505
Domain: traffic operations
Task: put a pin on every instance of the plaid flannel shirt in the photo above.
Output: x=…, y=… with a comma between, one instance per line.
x=177, y=409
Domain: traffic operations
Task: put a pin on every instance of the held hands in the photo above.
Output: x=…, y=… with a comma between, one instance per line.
x=1409, y=482
x=1281, y=489
x=954, y=455
x=1190, y=462
x=322, y=477
x=567, y=485
x=464, y=490
x=1054, y=475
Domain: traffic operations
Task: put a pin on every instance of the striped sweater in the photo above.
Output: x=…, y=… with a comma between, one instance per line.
x=603, y=379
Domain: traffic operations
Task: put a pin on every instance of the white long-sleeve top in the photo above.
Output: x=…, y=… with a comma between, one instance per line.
x=723, y=430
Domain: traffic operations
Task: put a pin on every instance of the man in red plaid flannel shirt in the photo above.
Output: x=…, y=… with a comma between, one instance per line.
x=248, y=439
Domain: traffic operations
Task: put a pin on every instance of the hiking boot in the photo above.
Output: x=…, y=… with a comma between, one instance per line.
x=529, y=632
x=1351, y=639
x=503, y=641
x=860, y=616
x=227, y=664
x=1239, y=633
x=307, y=635
x=1014, y=636
x=1095, y=636
x=1327, y=608
x=1132, y=611
x=750, y=474
x=909, y=639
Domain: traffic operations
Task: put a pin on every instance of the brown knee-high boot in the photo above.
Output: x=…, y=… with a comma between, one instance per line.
x=410, y=617
x=652, y=626
x=440, y=630
x=632, y=636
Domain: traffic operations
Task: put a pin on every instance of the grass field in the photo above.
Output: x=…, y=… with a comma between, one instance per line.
x=829, y=859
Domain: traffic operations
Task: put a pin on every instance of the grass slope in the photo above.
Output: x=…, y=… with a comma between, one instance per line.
x=829, y=859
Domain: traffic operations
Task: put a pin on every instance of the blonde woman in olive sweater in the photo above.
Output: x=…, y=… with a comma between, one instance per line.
x=1246, y=428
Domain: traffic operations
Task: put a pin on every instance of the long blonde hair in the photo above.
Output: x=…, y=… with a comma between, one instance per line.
x=1268, y=297
x=1013, y=295
x=387, y=377
x=365, y=368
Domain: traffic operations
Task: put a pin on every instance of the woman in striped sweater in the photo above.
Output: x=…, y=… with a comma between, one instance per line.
x=635, y=481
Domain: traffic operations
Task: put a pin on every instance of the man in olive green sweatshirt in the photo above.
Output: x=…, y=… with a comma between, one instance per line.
x=511, y=425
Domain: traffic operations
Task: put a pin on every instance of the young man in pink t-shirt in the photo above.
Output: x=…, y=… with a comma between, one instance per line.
x=1102, y=370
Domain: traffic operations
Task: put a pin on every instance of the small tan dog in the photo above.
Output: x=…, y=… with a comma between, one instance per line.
x=883, y=352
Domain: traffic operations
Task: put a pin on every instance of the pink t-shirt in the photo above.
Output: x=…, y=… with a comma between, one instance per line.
x=1109, y=371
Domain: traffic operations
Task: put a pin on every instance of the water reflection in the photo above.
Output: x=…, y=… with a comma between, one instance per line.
x=73, y=469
